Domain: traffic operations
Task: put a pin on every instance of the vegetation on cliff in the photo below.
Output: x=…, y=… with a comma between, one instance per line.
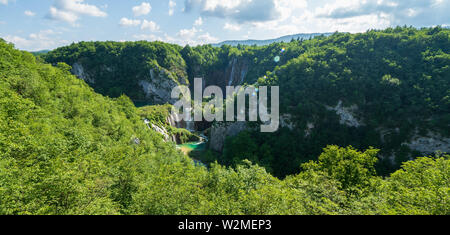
x=65, y=149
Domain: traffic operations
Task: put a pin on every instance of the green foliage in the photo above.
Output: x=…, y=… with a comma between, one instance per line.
x=118, y=67
x=352, y=169
x=66, y=150
x=396, y=78
x=420, y=187
x=159, y=115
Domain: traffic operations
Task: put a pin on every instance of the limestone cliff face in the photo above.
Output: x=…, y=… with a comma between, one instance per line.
x=156, y=83
x=346, y=114
x=429, y=143
x=220, y=131
x=79, y=71
x=159, y=85
x=233, y=75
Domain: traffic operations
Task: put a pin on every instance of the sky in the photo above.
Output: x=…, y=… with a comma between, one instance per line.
x=47, y=24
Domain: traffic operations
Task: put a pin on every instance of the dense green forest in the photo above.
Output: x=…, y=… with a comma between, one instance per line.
x=396, y=82
x=117, y=67
x=64, y=149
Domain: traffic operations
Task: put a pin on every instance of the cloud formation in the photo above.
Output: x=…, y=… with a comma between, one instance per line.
x=29, y=13
x=198, y=22
x=149, y=25
x=41, y=40
x=399, y=12
x=125, y=22
x=232, y=27
x=172, y=6
x=243, y=11
x=71, y=10
x=142, y=9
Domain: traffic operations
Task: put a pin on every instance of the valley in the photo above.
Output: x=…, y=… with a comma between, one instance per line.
x=335, y=89
x=87, y=128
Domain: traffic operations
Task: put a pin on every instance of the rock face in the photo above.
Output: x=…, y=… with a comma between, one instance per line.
x=220, y=131
x=159, y=86
x=346, y=114
x=430, y=143
x=79, y=71
x=156, y=84
x=233, y=75
x=309, y=128
x=286, y=121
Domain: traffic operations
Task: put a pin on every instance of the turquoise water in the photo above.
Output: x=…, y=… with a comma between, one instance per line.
x=193, y=146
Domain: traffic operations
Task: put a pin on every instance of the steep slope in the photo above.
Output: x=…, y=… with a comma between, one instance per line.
x=146, y=72
x=67, y=150
x=387, y=89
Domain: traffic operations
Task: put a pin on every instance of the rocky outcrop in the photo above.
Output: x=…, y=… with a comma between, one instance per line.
x=309, y=128
x=158, y=87
x=233, y=75
x=237, y=72
x=221, y=131
x=430, y=143
x=346, y=114
x=286, y=121
x=79, y=71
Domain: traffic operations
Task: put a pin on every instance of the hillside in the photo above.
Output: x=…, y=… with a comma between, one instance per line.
x=288, y=38
x=386, y=89
x=65, y=149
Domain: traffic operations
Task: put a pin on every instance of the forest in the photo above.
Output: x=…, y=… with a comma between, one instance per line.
x=69, y=146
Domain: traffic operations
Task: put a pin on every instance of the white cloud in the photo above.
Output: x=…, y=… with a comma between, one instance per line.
x=150, y=25
x=44, y=39
x=400, y=12
x=71, y=10
x=172, y=6
x=187, y=33
x=147, y=37
x=192, y=37
x=206, y=38
x=4, y=2
x=246, y=10
x=124, y=22
x=232, y=27
x=142, y=9
x=29, y=13
x=198, y=22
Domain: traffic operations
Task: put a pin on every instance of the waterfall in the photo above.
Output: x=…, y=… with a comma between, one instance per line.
x=230, y=81
x=158, y=129
x=190, y=126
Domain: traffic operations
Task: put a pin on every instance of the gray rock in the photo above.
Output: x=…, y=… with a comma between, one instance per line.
x=79, y=71
x=430, y=143
x=159, y=86
x=346, y=114
x=221, y=131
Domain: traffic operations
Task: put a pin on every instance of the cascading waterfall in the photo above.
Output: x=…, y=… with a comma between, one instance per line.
x=230, y=81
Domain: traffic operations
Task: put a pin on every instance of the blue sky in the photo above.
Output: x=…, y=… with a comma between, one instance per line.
x=47, y=24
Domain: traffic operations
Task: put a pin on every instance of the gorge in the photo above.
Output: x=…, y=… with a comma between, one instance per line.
x=308, y=95
x=358, y=113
